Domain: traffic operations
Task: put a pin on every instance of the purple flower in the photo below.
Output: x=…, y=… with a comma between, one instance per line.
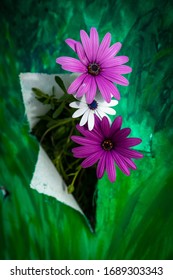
x=106, y=144
x=98, y=67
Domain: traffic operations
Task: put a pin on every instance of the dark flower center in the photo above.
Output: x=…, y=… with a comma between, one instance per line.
x=107, y=145
x=94, y=69
x=93, y=105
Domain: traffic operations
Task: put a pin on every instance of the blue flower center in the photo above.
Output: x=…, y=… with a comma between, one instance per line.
x=93, y=69
x=107, y=145
x=93, y=105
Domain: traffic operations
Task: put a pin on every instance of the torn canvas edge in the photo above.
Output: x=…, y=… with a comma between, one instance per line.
x=46, y=179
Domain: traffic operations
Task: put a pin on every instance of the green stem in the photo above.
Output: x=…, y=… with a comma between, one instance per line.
x=71, y=186
x=56, y=125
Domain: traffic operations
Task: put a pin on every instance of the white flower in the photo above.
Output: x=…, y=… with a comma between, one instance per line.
x=99, y=107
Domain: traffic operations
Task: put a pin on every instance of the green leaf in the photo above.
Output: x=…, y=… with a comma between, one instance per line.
x=60, y=82
x=58, y=110
x=46, y=98
x=39, y=93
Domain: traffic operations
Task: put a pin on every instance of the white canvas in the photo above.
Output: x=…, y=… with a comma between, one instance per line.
x=46, y=178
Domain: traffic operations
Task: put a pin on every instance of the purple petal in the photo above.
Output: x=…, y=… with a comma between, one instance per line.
x=101, y=166
x=112, y=89
x=122, y=69
x=114, y=77
x=80, y=92
x=110, y=167
x=105, y=126
x=111, y=52
x=94, y=39
x=92, y=159
x=129, y=142
x=121, y=60
x=120, y=80
x=71, y=64
x=120, y=162
x=103, y=46
x=103, y=86
x=83, y=141
x=71, y=43
x=90, y=95
x=76, y=84
x=86, y=44
x=87, y=133
x=119, y=136
x=97, y=130
x=108, y=63
x=129, y=153
x=84, y=87
x=81, y=53
x=85, y=151
x=116, y=125
x=130, y=163
x=113, y=62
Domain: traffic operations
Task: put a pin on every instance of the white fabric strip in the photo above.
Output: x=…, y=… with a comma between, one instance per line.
x=46, y=178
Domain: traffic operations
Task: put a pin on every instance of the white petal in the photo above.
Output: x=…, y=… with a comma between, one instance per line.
x=75, y=104
x=107, y=110
x=83, y=102
x=91, y=120
x=79, y=112
x=100, y=113
x=83, y=99
x=102, y=102
x=113, y=103
x=80, y=99
x=84, y=118
x=99, y=98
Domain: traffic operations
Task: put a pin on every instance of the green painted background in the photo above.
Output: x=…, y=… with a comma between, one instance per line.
x=135, y=214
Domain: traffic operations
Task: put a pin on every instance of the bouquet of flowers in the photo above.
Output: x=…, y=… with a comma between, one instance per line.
x=72, y=116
